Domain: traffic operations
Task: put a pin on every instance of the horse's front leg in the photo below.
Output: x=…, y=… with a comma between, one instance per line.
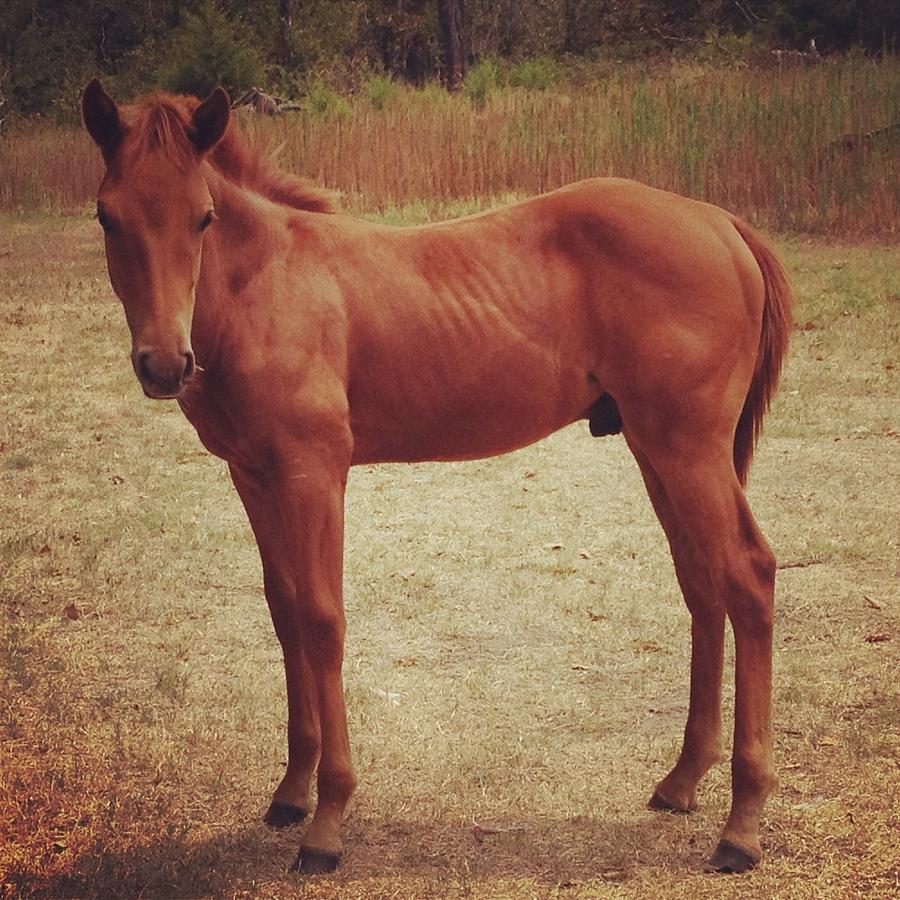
x=303, y=500
x=291, y=801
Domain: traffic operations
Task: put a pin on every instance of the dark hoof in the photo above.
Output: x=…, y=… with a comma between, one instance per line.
x=283, y=815
x=662, y=805
x=311, y=861
x=731, y=858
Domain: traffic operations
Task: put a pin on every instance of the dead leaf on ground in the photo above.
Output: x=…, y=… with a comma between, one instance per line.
x=188, y=457
x=72, y=612
x=877, y=638
x=801, y=563
x=479, y=831
x=613, y=874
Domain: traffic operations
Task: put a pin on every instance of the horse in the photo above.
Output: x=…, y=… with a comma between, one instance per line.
x=300, y=341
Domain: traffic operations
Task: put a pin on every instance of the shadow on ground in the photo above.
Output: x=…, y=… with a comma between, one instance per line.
x=549, y=852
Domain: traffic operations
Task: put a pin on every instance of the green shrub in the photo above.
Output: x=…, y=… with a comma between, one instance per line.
x=481, y=81
x=380, y=90
x=324, y=100
x=431, y=94
x=538, y=73
x=208, y=49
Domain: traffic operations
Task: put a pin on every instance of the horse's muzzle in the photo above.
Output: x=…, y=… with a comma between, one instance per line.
x=163, y=375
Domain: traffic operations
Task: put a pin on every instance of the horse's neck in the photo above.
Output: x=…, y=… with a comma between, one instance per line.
x=225, y=251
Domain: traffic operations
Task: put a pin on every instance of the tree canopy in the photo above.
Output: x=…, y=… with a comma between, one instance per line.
x=50, y=48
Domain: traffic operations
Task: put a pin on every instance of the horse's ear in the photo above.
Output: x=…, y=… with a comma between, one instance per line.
x=210, y=120
x=101, y=118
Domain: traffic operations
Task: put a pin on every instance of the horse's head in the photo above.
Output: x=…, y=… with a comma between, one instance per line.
x=154, y=205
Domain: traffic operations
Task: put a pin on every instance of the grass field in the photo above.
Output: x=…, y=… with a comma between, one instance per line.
x=813, y=148
x=517, y=651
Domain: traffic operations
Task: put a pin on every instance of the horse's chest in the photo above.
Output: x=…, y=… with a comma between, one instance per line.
x=217, y=429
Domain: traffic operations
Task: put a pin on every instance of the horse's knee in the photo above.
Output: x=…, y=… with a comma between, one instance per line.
x=316, y=627
x=322, y=635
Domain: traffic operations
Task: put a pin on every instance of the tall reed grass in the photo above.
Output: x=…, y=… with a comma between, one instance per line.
x=767, y=143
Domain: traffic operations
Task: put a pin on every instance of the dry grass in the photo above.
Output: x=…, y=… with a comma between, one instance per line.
x=517, y=652
x=765, y=143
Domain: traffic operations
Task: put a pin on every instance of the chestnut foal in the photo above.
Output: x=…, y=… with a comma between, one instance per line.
x=300, y=342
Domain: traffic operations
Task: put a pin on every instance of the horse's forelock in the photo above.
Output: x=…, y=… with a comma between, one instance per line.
x=160, y=123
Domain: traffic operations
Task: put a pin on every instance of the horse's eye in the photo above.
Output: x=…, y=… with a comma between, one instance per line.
x=206, y=221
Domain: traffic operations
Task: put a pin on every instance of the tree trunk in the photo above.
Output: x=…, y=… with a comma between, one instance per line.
x=450, y=15
x=285, y=45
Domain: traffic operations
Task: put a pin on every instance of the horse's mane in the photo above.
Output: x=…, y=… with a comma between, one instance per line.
x=161, y=123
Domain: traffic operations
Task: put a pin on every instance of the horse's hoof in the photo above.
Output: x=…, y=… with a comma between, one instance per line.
x=660, y=804
x=731, y=858
x=312, y=861
x=283, y=815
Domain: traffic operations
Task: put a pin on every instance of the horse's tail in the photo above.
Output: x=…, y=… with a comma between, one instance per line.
x=773, y=343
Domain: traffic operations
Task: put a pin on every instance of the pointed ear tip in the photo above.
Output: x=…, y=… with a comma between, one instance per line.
x=218, y=97
x=95, y=94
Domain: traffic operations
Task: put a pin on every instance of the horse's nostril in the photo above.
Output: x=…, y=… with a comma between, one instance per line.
x=162, y=372
x=143, y=367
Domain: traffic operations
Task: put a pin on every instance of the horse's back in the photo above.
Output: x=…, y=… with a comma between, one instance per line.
x=483, y=334
x=654, y=235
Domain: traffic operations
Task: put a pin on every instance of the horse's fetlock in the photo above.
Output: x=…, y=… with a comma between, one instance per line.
x=710, y=756
x=752, y=777
x=305, y=743
x=336, y=786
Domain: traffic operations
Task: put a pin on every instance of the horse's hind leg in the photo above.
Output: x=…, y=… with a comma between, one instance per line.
x=702, y=746
x=728, y=567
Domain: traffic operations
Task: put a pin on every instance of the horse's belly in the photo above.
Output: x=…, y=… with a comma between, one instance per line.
x=450, y=438
x=478, y=419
